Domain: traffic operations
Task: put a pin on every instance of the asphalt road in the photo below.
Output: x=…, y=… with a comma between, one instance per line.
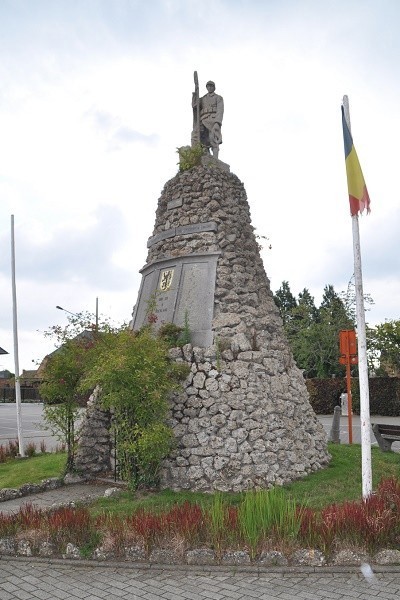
x=32, y=425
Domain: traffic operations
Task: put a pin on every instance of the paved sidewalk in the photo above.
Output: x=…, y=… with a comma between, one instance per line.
x=327, y=420
x=62, y=495
x=43, y=580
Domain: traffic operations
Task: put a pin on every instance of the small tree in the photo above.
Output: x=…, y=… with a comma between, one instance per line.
x=61, y=375
x=62, y=371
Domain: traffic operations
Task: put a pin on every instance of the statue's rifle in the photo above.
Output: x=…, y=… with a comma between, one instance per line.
x=197, y=104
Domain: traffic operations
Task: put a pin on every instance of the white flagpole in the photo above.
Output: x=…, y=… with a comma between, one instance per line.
x=16, y=359
x=365, y=421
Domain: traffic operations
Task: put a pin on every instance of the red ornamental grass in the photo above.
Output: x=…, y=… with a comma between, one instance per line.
x=69, y=524
x=390, y=490
x=368, y=522
x=232, y=527
x=373, y=523
x=308, y=525
x=30, y=517
x=9, y=450
x=232, y=518
x=13, y=448
x=186, y=519
x=114, y=527
x=8, y=525
x=146, y=525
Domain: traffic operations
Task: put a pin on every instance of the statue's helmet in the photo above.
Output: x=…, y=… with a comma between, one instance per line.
x=210, y=83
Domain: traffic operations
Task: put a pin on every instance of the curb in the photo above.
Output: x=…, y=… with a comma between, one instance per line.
x=243, y=569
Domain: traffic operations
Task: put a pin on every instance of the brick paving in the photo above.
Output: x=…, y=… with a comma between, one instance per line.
x=34, y=579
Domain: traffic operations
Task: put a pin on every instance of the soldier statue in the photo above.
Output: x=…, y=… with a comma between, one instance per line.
x=207, y=118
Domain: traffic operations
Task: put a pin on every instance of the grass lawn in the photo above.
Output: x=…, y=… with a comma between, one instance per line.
x=340, y=481
x=18, y=471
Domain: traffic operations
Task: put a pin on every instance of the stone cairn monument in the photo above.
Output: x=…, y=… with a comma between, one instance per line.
x=244, y=418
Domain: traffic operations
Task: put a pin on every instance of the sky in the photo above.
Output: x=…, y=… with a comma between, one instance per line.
x=95, y=98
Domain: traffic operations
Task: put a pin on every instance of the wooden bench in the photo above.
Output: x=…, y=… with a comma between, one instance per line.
x=386, y=435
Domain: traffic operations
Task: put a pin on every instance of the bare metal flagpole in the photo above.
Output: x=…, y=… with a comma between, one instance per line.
x=16, y=359
x=365, y=421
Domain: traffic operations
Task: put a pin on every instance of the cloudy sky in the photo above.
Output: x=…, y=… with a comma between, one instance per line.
x=95, y=97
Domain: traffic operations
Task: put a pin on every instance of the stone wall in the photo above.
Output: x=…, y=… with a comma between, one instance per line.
x=93, y=456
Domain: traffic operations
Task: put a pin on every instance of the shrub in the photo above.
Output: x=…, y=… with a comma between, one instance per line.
x=190, y=156
x=170, y=333
x=30, y=449
x=384, y=395
x=136, y=378
x=325, y=394
x=9, y=450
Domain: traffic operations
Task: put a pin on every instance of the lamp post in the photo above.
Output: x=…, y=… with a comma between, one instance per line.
x=75, y=315
x=68, y=311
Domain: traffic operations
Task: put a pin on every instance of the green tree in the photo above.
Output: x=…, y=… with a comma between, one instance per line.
x=285, y=301
x=61, y=375
x=333, y=317
x=313, y=333
x=302, y=331
x=384, y=347
x=348, y=298
x=306, y=307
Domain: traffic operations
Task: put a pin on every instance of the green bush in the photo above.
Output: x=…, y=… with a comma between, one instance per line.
x=190, y=156
x=136, y=378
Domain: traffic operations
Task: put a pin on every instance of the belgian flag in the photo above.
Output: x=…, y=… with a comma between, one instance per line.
x=358, y=193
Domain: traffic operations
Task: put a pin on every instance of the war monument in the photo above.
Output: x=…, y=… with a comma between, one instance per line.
x=243, y=418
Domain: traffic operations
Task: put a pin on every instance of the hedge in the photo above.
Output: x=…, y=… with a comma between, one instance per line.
x=384, y=395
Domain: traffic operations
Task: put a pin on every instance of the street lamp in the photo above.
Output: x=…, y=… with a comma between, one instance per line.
x=68, y=311
x=75, y=315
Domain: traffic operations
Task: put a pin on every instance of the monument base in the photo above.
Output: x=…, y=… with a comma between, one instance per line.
x=207, y=160
x=240, y=423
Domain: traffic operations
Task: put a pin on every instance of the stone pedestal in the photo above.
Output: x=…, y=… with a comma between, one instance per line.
x=244, y=418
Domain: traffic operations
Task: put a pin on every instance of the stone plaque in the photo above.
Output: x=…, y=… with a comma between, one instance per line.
x=183, y=230
x=159, y=237
x=174, y=203
x=196, y=228
x=173, y=288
